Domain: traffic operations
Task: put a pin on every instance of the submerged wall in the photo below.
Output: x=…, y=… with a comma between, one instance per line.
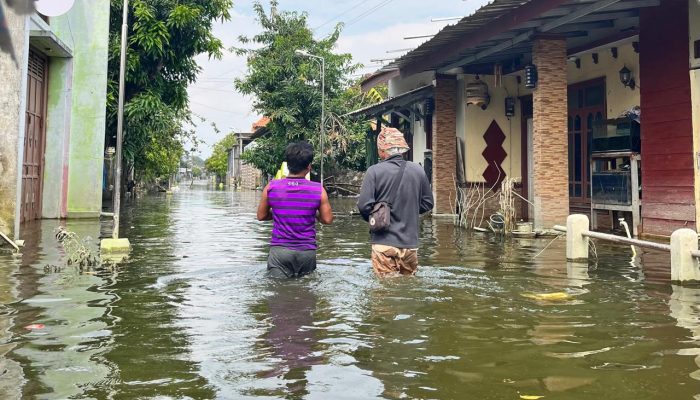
x=86, y=28
x=10, y=103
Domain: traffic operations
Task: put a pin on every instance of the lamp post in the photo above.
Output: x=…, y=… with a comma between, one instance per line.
x=323, y=99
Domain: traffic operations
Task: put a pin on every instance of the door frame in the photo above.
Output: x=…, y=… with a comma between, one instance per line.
x=42, y=151
x=585, y=173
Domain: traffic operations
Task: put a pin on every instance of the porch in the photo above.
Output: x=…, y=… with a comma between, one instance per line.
x=554, y=75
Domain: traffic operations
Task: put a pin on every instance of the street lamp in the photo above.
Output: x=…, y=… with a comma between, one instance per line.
x=304, y=53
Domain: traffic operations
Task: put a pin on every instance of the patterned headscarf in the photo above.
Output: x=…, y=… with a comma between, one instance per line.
x=388, y=139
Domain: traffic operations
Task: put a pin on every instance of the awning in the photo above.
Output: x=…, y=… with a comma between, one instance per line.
x=502, y=32
x=395, y=103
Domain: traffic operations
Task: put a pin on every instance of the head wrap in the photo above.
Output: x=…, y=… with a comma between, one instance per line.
x=391, y=138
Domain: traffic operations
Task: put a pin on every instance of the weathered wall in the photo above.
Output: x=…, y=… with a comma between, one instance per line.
x=10, y=101
x=88, y=20
x=58, y=123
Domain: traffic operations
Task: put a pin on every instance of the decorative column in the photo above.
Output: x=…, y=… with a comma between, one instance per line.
x=549, y=137
x=444, y=151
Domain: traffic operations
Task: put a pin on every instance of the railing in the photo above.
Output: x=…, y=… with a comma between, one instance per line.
x=683, y=248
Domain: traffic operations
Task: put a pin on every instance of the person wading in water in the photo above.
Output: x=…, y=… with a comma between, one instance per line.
x=293, y=204
x=405, y=188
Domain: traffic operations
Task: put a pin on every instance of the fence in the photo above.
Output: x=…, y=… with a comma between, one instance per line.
x=683, y=248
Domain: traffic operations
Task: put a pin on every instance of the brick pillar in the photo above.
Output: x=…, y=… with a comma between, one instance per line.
x=549, y=138
x=444, y=151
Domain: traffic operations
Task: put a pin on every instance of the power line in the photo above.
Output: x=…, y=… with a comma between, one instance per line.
x=341, y=14
x=368, y=12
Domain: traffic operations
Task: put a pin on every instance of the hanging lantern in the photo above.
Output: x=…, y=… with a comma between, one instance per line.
x=530, y=76
x=477, y=93
x=429, y=106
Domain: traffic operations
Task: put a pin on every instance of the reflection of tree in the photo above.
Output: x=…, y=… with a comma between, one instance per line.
x=149, y=352
x=290, y=337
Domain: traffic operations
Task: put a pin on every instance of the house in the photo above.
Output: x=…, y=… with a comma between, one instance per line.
x=242, y=174
x=236, y=165
x=538, y=90
x=54, y=114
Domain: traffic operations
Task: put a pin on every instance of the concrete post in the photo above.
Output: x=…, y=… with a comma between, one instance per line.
x=684, y=267
x=576, y=243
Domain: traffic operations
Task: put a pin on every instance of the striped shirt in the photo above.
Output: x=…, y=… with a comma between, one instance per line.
x=294, y=202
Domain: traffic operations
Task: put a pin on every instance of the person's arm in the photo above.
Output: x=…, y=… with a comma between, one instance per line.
x=366, y=200
x=426, y=195
x=264, y=212
x=325, y=213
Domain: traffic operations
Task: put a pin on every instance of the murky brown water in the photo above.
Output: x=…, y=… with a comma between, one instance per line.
x=192, y=315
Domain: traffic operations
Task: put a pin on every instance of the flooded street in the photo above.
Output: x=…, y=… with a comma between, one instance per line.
x=192, y=315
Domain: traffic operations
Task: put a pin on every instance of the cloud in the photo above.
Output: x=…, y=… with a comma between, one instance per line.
x=367, y=35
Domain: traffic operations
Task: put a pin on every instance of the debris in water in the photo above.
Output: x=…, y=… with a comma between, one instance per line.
x=33, y=327
x=556, y=296
x=75, y=248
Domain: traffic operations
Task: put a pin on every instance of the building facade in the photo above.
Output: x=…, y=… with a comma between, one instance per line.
x=56, y=135
x=543, y=91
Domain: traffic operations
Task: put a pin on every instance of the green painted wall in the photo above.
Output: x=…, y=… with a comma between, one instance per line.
x=86, y=29
x=10, y=98
x=58, y=116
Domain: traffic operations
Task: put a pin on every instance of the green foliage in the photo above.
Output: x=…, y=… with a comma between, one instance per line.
x=286, y=88
x=217, y=164
x=164, y=38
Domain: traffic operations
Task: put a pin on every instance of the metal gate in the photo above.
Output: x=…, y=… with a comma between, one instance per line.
x=35, y=137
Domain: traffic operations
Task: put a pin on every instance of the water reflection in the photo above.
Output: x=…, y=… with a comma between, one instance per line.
x=192, y=315
x=684, y=304
x=289, y=307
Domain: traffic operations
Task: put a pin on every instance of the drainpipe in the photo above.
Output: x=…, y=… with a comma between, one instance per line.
x=22, y=125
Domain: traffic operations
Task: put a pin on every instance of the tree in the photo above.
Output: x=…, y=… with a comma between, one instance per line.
x=164, y=38
x=217, y=163
x=286, y=88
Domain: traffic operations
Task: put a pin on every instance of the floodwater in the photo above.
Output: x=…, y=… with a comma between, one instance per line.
x=192, y=315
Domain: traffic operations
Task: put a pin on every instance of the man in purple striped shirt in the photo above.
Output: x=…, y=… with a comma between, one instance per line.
x=293, y=204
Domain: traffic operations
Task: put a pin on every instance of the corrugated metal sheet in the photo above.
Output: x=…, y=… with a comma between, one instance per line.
x=465, y=26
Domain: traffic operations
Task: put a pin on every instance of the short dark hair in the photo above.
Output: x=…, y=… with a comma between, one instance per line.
x=299, y=156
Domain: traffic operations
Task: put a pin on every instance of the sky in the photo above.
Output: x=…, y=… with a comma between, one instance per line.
x=372, y=28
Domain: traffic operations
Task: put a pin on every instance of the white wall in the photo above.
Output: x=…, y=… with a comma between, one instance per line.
x=399, y=85
x=472, y=123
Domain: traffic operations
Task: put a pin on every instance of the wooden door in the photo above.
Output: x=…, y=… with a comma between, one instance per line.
x=35, y=138
x=586, y=108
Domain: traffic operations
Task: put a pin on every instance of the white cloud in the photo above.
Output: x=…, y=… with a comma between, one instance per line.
x=214, y=97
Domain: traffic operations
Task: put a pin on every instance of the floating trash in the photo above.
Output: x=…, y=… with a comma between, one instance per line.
x=33, y=327
x=557, y=296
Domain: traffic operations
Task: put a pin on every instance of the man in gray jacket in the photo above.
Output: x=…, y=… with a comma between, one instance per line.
x=395, y=250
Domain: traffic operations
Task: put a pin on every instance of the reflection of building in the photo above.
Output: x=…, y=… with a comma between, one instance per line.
x=526, y=90
x=53, y=115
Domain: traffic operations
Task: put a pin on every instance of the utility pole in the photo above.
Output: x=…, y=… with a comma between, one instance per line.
x=323, y=100
x=116, y=244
